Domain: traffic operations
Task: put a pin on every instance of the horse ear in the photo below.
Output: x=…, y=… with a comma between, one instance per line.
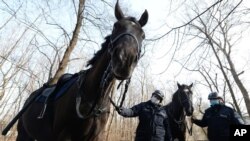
x=144, y=18
x=118, y=12
x=179, y=86
x=191, y=85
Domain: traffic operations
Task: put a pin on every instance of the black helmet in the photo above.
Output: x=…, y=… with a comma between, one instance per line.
x=213, y=95
x=158, y=93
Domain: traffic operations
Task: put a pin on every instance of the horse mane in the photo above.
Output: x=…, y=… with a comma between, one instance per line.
x=175, y=95
x=98, y=54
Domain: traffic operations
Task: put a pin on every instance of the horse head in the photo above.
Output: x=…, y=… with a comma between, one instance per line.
x=184, y=96
x=125, y=43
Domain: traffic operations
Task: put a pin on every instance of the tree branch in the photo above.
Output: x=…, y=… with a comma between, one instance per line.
x=185, y=23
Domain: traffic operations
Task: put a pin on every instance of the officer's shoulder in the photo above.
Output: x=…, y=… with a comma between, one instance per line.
x=144, y=103
x=208, y=109
x=139, y=104
x=227, y=108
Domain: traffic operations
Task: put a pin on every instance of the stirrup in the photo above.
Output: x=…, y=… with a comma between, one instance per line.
x=42, y=112
x=44, y=109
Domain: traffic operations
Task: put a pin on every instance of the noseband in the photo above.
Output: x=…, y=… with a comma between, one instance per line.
x=112, y=41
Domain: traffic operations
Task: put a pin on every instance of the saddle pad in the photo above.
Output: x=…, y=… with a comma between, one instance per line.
x=65, y=87
x=56, y=95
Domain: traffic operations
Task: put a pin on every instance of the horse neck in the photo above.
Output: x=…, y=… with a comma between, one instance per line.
x=94, y=77
x=176, y=109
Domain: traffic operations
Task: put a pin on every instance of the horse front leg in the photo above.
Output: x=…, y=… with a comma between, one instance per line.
x=22, y=133
x=100, y=124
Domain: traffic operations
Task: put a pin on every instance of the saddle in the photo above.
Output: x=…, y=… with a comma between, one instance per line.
x=53, y=92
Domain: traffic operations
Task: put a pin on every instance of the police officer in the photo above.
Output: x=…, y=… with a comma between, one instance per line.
x=218, y=119
x=153, y=121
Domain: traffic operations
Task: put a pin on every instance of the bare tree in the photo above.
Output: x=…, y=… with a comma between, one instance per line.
x=64, y=62
x=215, y=31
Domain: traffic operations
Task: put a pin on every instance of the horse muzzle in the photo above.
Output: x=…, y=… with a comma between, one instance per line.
x=189, y=111
x=120, y=75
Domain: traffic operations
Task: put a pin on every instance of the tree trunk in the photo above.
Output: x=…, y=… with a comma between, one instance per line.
x=64, y=62
x=239, y=84
x=210, y=40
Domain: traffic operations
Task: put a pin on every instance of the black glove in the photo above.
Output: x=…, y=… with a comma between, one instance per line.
x=120, y=110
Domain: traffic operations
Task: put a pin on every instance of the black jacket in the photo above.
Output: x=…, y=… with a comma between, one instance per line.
x=153, y=122
x=218, y=119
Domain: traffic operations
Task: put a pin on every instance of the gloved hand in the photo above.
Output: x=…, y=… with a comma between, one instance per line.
x=120, y=110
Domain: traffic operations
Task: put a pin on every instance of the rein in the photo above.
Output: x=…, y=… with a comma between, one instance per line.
x=125, y=91
x=190, y=130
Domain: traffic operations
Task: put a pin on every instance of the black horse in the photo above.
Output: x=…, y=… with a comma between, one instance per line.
x=177, y=109
x=82, y=112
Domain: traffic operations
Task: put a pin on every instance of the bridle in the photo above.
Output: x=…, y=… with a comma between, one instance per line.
x=181, y=103
x=182, y=120
x=107, y=73
x=106, y=78
x=190, y=101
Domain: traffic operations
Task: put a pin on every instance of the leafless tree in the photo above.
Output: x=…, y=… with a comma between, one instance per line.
x=66, y=57
x=215, y=30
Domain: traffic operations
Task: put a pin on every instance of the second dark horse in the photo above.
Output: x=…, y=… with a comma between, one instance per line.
x=180, y=106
